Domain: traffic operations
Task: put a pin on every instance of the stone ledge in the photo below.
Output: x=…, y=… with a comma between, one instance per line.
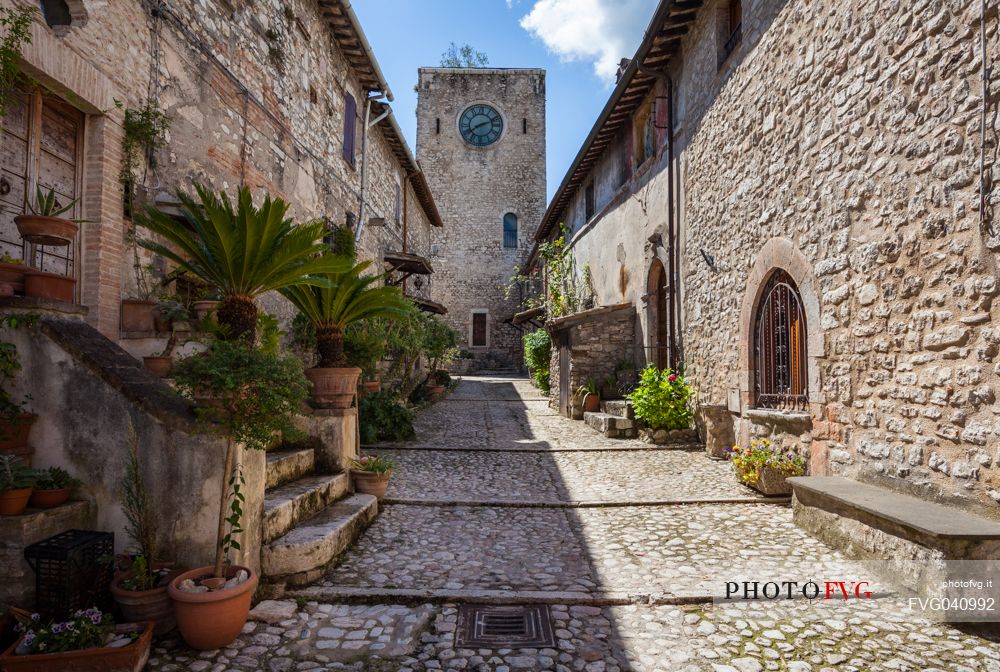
x=43, y=306
x=926, y=523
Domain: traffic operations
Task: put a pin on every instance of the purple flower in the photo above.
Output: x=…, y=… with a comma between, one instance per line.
x=29, y=639
x=57, y=628
x=95, y=619
x=36, y=617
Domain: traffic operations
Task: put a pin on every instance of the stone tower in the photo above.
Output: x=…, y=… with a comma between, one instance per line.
x=481, y=143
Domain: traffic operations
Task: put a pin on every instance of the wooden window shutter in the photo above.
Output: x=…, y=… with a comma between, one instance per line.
x=479, y=329
x=350, y=127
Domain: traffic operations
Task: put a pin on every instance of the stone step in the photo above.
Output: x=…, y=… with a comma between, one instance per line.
x=611, y=426
x=285, y=466
x=621, y=408
x=287, y=505
x=301, y=555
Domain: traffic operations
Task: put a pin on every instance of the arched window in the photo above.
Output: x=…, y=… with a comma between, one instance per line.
x=510, y=231
x=779, y=346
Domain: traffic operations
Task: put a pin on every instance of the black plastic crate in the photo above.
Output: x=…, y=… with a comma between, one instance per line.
x=73, y=570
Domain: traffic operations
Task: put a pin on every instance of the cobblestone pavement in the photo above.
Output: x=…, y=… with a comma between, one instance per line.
x=586, y=476
x=630, y=586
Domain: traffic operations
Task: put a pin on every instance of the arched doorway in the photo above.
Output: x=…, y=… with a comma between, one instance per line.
x=659, y=338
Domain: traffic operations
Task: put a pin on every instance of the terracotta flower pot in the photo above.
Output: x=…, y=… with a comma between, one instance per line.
x=131, y=658
x=370, y=483
x=214, y=619
x=49, y=499
x=160, y=325
x=435, y=390
x=14, y=431
x=46, y=230
x=333, y=387
x=146, y=605
x=372, y=386
x=160, y=366
x=12, y=275
x=591, y=403
x=52, y=286
x=14, y=502
x=137, y=315
x=203, y=309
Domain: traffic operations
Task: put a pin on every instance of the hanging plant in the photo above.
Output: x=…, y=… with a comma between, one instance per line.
x=16, y=26
x=144, y=132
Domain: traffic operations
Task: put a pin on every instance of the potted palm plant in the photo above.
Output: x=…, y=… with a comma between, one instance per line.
x=343, y=300
x=16, y=485
x=248, y=396
x=371, y=474
x=42, y=224
x=240, y=251
x=589, y=395
x=52, y=488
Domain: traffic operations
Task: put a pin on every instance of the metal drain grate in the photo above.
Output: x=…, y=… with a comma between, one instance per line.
x=491, y=627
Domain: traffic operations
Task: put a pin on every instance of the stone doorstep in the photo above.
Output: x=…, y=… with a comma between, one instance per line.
x=621, y=408
x=608, y=424
x=926, y=523
x=285, y=466
x=288, y=504
x=316, y=542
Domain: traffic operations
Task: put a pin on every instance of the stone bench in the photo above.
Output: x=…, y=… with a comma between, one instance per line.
x=914, y=539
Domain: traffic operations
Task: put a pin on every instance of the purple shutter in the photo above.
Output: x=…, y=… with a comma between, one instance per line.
x=350, y=127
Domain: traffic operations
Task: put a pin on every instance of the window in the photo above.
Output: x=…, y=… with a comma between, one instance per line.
x=350, y=127
x=479, y=330
x=589, y=202
x=56, y=13
x=437, y=126
x=779, y=346
x=524, y=125
x=730, y=28
x=399, y=204
x=43, y=146
x=643, y=134
x=510, y=231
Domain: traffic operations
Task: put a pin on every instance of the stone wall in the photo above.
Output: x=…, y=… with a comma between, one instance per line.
x=596, y=340
x=254, y=93
x=475, y=187
x=839, y=142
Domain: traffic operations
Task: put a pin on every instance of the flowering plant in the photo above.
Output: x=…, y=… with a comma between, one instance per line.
x=87, y=629
x=661, y=399
x=748, y=462
x=375, y=464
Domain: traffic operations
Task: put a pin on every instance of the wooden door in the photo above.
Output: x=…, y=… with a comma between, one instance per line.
x=41, y=145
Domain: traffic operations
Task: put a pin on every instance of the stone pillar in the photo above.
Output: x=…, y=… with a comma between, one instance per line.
x=716, y=427
x=335, y=433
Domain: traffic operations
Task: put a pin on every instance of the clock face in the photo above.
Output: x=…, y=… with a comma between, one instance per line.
x=480, y=125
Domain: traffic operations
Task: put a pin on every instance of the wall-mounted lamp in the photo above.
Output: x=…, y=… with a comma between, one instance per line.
x=709, y=259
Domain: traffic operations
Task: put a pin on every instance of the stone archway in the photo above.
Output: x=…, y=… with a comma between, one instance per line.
x=659, y=329
x=781, y=253
x=799, y=430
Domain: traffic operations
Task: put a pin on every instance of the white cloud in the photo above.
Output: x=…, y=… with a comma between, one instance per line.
x=600, y=31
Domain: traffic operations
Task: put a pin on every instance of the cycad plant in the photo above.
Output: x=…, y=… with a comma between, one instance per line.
x=241, y=250
x=347, y=298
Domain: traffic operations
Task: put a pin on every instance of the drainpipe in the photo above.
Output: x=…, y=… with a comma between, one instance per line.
x=369, y=123
x=406, y=183
x=671, y=244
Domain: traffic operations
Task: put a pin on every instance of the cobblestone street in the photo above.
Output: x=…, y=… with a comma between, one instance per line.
x=499, y=500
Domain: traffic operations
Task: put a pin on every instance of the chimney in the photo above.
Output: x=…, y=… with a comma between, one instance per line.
x=622, y=66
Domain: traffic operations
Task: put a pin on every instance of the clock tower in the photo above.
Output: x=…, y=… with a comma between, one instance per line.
x=481, y=144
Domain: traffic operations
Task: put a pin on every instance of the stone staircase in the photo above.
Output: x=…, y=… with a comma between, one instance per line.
x=615, y=420
x=309, y=518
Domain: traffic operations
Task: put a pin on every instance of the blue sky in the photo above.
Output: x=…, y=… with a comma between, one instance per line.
x=577, y=41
